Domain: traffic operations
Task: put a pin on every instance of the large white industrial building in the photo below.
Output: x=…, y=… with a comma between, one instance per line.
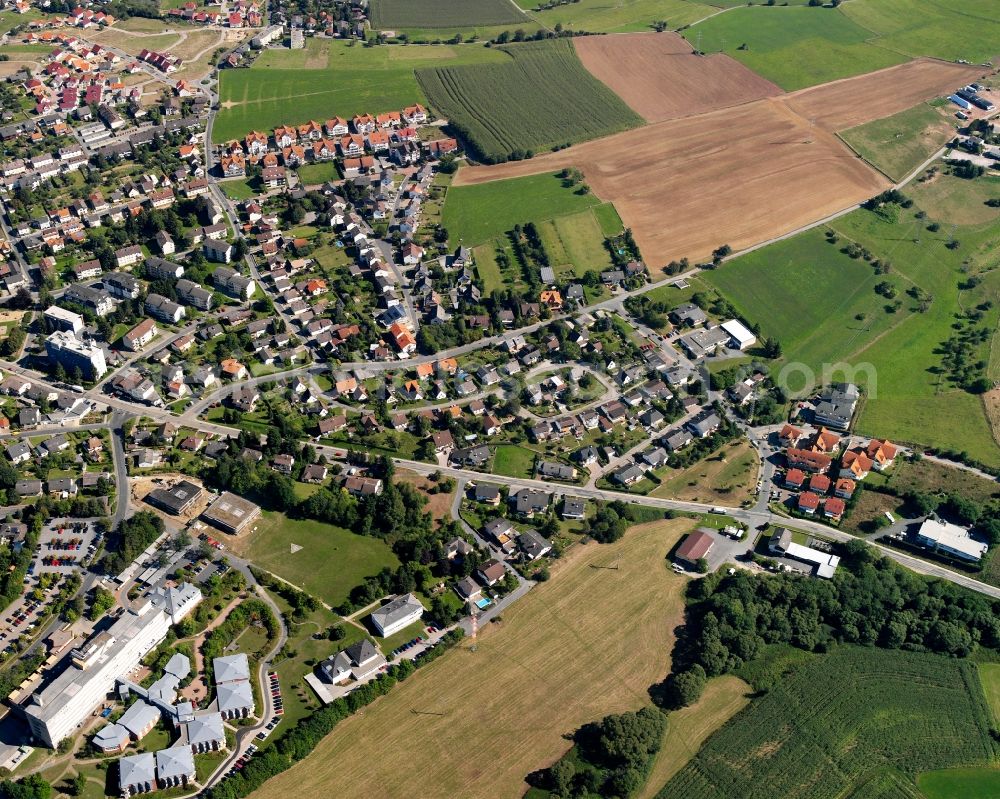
x=66, y=701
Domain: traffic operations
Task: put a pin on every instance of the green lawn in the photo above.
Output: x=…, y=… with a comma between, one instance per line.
x=408, y=633
x=899, y=144
x=772, y=286
x=487, y=267
x=314, y=174
x=478, y=213
x=794, y=46
x=960, y=783
x=514, y=461
x=241, y=189
x=989, y=676
x=329, y=564
x=330, y=78
x=11, y=19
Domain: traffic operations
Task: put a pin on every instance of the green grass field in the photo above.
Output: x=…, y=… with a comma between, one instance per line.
x=451, y=14
x=514, y=461
x=989, y=676
x=823, y=308
x=960, y=783
x=773, y=287
x=540, y=98
x=969, y=29
x=899, y=144
x=330, y=78
x=795, y=46
x=841, y=720
x=311, y=174
x=482, y=212
x=329, y=564
x=575, y=244
x=598, y=16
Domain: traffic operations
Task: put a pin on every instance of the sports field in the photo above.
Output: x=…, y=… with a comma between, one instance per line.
x=586, y=643
x=330, y=78
x=541, y=97
x=840, y=720
x=660, y=78
x=793, y=46
x=901, y=143
x=406, y=14
x=321, y=559
x=476, y=214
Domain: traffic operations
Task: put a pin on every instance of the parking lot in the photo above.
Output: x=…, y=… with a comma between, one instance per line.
x=63, y=545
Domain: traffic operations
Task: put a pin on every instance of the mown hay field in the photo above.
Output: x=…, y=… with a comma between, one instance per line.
x=588, y=642
x=540, y=98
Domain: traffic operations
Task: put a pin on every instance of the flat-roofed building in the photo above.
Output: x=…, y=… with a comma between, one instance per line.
x=231, y=513
x=950, y=539
x=61, y=319
x=88, y=673
x=177, y=499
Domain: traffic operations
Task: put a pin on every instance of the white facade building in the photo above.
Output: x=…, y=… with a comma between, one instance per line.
x=59, y=708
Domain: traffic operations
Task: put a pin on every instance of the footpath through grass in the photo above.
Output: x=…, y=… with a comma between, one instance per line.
x=588, y=642
x=321, y=559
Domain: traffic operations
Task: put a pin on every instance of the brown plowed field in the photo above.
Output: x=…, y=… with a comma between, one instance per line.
x=660, y=78
x=742, y=175
x=846, y=103
x=739, y=177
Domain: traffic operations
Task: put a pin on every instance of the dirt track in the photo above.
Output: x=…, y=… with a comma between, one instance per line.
x=741, y=175
x=846, y=103
x=660, y=78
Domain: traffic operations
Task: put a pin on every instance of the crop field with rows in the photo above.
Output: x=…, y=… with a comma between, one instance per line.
x=839, y=722
x=541, y=98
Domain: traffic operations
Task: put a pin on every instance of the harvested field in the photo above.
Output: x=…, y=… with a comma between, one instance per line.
x=586, y=643
x=847, y=103
x=660, y=78
x=776, y=176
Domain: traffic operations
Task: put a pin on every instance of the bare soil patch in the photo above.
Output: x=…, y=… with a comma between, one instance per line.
x=438, y=502
x=738, y=176
x=850, y=102
x=659, y=77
